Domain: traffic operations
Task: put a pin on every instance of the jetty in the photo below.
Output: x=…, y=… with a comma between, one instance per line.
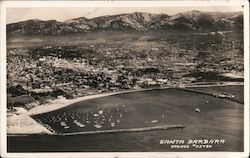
x=143, y=129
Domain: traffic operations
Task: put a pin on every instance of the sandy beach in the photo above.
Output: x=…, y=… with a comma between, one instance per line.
x=63, y=102
x=60, y=103
x=78, y=125
x=21, y=123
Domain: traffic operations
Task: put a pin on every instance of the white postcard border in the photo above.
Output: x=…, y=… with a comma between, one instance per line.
x=38, y=4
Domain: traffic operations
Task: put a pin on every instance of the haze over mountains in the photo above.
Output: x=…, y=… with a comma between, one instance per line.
x=188, y=21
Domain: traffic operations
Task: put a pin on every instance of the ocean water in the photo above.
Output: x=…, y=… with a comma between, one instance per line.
x=218, y=118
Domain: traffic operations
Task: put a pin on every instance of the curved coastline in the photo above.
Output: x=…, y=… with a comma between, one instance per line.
x=61, y=103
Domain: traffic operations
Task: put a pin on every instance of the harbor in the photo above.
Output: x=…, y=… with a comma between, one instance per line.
x=98, y=124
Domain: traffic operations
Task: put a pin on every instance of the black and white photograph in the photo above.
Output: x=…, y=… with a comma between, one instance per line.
x=125, y=78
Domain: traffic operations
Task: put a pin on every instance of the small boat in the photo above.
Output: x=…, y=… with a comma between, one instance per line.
x=154, y=121
x=197, y=109
x=63, y=123
x=120, y=115
x=95, y=115
x=81, y=125
x=98, y=126
x=112, y=124
x=66, y=127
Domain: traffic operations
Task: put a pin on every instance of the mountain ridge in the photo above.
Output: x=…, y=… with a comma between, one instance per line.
x=137, y=21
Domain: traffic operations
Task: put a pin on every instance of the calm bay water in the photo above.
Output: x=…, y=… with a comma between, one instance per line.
x=218, y=119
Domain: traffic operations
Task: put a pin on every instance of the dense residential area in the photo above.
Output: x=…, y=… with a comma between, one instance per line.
x=111, y=63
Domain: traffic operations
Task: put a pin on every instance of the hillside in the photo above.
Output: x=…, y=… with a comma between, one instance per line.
x=188, y=21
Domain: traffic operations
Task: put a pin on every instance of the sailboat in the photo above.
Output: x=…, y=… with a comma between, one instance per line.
x=197, y=109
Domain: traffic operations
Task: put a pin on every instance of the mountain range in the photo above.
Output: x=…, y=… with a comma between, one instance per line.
x=187, y=21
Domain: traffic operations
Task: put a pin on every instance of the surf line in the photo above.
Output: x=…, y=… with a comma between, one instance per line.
x=122, y=130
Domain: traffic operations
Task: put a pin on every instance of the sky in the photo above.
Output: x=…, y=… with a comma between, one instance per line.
x=61, y=14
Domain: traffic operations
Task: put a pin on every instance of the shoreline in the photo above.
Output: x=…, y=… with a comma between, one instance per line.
x=21, y=123
x=61, y=103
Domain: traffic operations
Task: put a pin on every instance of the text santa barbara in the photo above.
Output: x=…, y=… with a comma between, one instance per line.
x=192, y=141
